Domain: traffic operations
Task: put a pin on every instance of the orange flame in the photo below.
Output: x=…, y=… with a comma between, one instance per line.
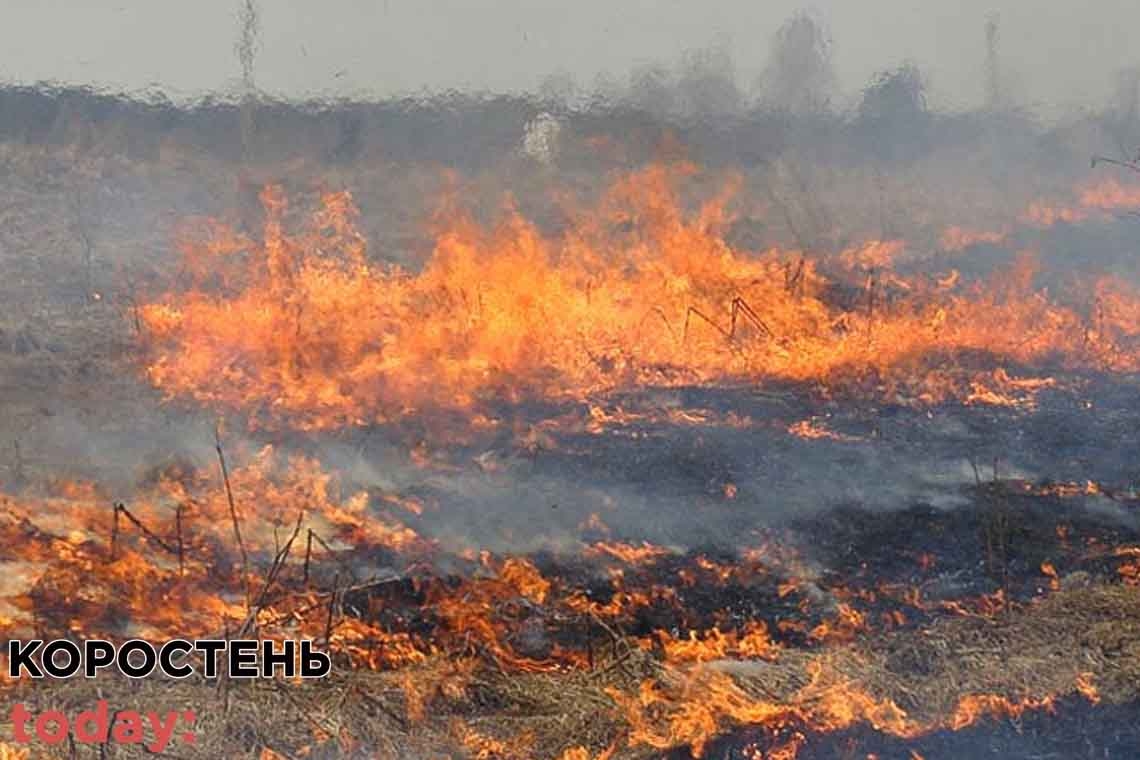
x=303, y=325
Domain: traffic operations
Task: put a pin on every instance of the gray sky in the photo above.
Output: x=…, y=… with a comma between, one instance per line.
x=1060, y=51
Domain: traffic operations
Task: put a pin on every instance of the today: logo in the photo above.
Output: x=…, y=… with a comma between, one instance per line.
x=102, y=725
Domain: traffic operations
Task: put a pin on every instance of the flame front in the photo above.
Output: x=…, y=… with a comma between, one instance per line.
x=303, y=326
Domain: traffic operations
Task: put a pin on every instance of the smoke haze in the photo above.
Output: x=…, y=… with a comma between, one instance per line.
x=1056, y=54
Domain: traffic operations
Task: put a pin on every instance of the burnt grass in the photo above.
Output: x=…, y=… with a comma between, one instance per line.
x=1003, y=525
x=954, y=501
x=997, y=545
x=999, y=542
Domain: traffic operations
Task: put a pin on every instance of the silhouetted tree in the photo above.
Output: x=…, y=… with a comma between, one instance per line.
x=892, y=118
x=799, y=76
x=707, y=84
x=249, y=20
x=651, y=89
x=995, y=86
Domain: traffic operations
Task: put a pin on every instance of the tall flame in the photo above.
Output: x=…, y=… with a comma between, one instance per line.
x=305, y=325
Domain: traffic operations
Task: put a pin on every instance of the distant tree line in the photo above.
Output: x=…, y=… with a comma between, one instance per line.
x=699, y=102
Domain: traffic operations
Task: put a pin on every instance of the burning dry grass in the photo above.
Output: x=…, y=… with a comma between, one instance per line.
x=947, y=676
x=1083, y=643
x=452, y=670
x=303, y=328
x=473, y=688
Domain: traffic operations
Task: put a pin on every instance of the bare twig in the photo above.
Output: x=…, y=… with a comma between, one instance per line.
x=694, y=310
x=870, y=304
x=319, y=598
x=83, y=231
x=332, y=609
x=1133, y=165
x=661, y=313
x=114, y=531
x=271, y=578
x=739, y=308
x=223, y=686
x=233, y=513
x=308, y=555
x=134, y=302
x=150, y=535
x=616, y=640
x=793, y=280
x=178, y=530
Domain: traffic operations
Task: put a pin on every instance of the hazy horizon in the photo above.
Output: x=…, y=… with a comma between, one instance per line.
x=377, y=48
